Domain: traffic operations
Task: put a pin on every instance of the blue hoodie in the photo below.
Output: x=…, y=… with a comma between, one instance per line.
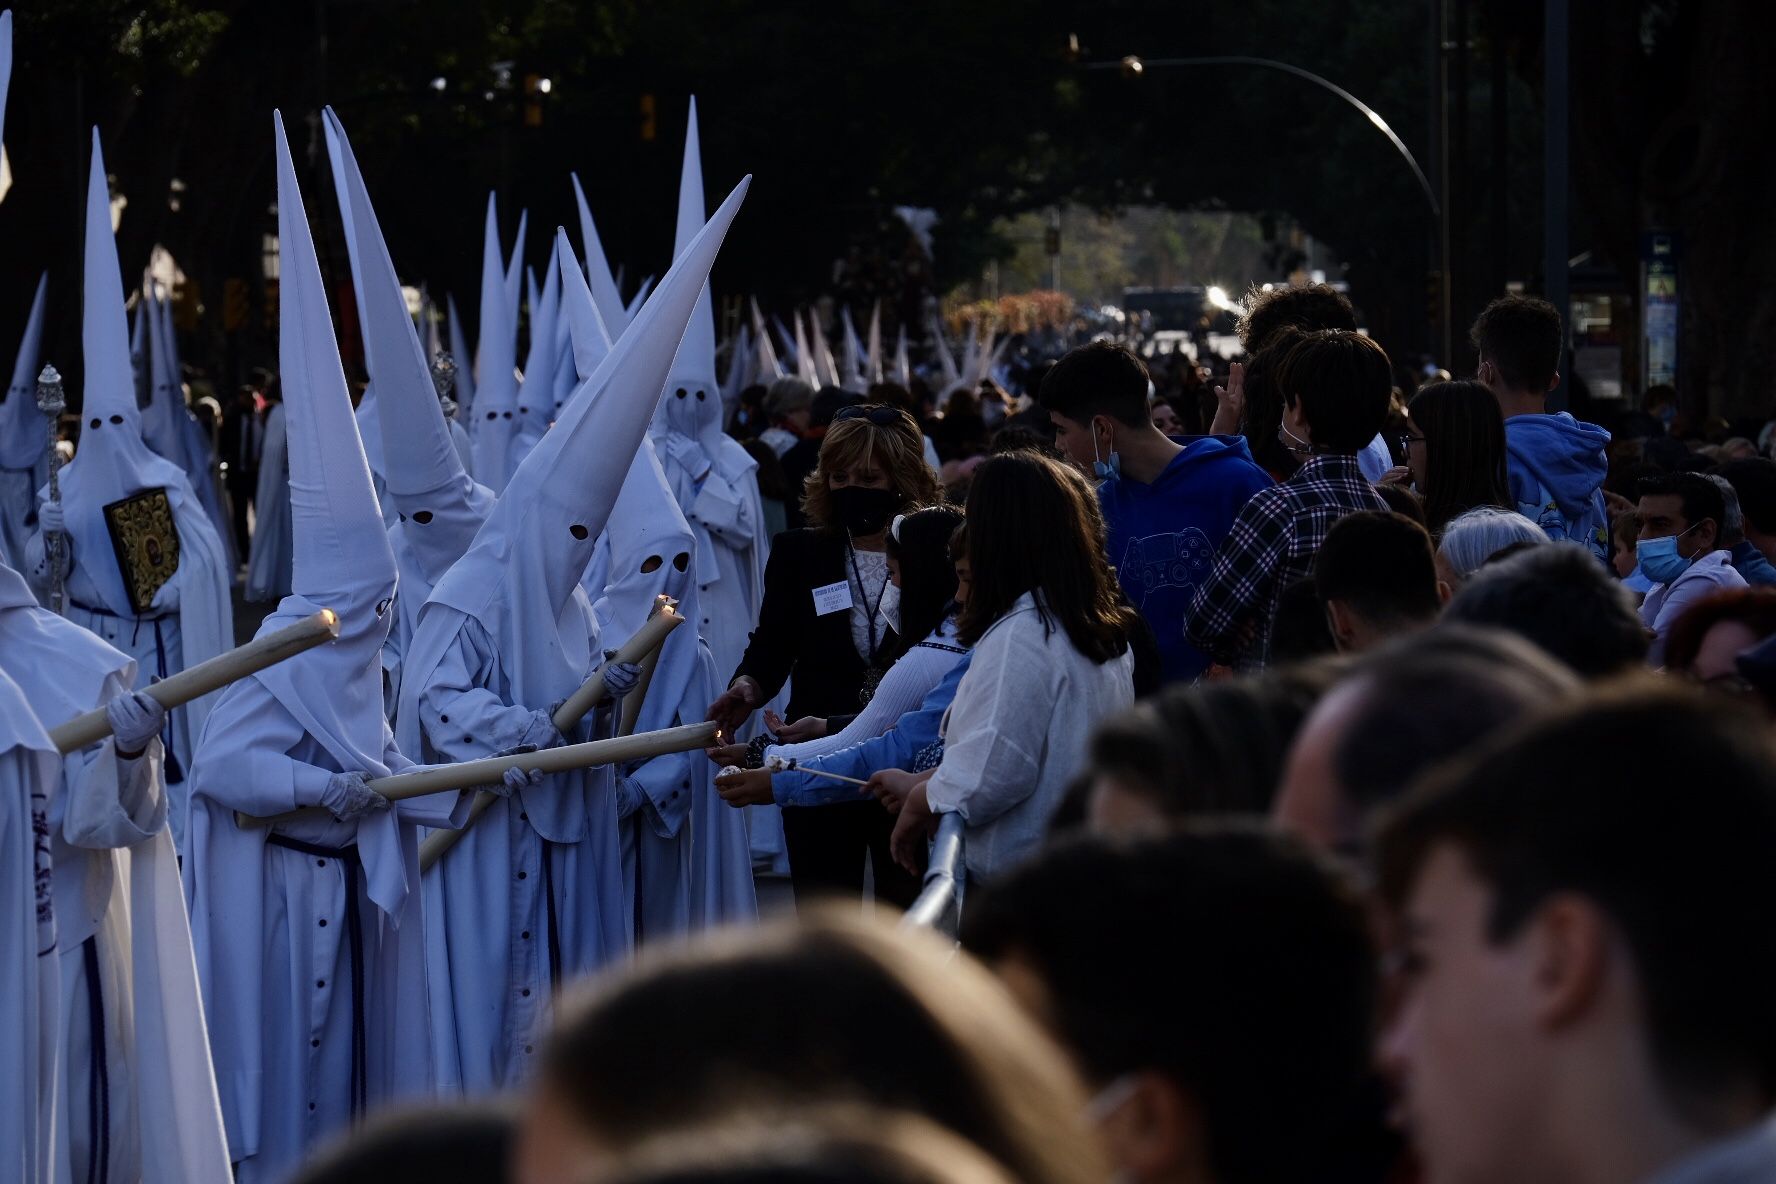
x=1557, y=466
x=1163, y=537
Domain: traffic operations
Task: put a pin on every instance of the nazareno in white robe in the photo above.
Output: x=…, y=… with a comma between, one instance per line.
x=687, y=861
x=192, y=616
x=308, y=935
x=24, y=440
x=30, y=1006
x=268, y=560
x=509, y=632
x=138, y=1101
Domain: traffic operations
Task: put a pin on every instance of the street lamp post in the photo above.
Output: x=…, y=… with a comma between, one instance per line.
x=1135, y=67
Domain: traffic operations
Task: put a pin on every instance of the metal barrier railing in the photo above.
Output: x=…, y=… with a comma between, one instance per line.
x=939, y=907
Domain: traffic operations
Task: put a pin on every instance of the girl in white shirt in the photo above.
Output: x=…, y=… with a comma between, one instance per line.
x=1051, y=659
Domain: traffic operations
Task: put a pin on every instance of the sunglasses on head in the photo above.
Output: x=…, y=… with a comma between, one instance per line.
x=877, y=414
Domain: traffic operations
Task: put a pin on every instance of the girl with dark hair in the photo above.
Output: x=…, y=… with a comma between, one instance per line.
x=1052, y=658
x=821, y=628
x=1454, y=446
x=925, y=651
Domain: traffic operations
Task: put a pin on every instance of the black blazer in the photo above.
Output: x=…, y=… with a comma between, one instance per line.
x=815, y=652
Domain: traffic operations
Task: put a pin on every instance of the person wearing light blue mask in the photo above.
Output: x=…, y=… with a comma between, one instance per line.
x=1679, y=550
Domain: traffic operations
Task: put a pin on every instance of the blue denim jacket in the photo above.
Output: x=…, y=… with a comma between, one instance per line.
x=893, y=749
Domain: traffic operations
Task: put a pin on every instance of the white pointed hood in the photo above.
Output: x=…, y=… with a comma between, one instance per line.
x=805, y=369
x=465, y=364
x=23, y=437
x=515, y=274
x=768, y=367
x=587, y=335
x=693, y=394
x=742, y=368
x=872, y=366
x=536, y=394
x=440, y=507
x=945, y=359
x=520, y=578
x=496, y=388
x=112, y=461
x=902, y=371
x=369, y=421
x=139, y=344
x=636, y=301
x=850, y=352
x=342, y=559
x=824, y=365
x=161, y=425
x=5, y=66
x=598, y=272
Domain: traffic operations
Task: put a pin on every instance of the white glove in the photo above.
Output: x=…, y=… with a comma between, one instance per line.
x=136, y=719
x=541, y=731
x=513, y=780
x=347, y=797
x=50, y=519
x=621, y=677
x=688, y=453
x=628, y=796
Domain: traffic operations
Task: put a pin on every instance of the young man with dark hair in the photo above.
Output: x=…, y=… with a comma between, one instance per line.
x=1376, y=578
x=1168, y=503
x=1588, y=955
x=1267, y=313
x=1408, y=706
x=1681, y=516
x=1754, y=480
x=1336, y=386
x=1563, y=601
x=1216, y=987
x=1555, y=463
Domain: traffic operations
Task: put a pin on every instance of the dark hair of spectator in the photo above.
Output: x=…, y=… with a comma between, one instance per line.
x=1402, y=501
x=443, y=1141
x=1581, y=803
x=1382, y=566
x=1755, y=608
x=1300, y=632
x=1344, y=383
x=1521, y=337
x=1272, y=1047
x=1464, y=435
x=921, y=546
x=850, y=443
x=1562, y=599
x=1214, y=747
x=1101, y=378
x=1309, y=307
x=1035, y=526
x=870, y=1016
x=1702, y=500
x=1430, y=696
x=1264, y=404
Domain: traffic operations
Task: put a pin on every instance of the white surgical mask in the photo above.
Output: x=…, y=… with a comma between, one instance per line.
x=889, y=610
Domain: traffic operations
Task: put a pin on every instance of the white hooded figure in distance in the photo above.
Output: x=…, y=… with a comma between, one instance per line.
x=138, y=1097
x=533, y=893
x=463, y=394
x=496, y=386
x=191, y=618
x=308, y=935
x=714, y=478
x=536, y=394
x=169, y=424
x=686, y=858
x=268, y=559
x=24, y=442
x=438, y=506
x=30, y=991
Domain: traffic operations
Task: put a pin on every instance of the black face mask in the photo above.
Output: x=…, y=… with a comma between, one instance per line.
x=864, y=511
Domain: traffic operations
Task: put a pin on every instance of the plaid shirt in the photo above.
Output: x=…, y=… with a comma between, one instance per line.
x=1272, y=545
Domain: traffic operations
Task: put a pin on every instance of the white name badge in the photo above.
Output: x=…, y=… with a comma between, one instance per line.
x=832, y=598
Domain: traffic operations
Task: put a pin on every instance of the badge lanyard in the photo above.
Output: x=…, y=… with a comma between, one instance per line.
x=871, y=609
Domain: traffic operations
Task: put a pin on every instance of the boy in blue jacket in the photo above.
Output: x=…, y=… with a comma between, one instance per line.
x=1556, y=463
x=1168, y=502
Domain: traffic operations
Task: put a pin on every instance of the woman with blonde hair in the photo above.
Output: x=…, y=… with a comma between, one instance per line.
x=823, y=628
x=782, y=1018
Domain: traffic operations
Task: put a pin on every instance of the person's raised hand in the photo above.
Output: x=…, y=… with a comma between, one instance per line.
x=1398, y=475
x=1230, y=403
x=726, y=754
x=809, y=727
